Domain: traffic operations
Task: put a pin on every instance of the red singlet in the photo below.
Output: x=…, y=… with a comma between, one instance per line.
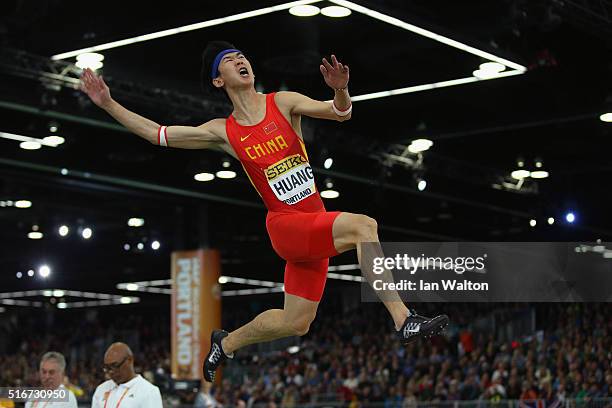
x=275, y=159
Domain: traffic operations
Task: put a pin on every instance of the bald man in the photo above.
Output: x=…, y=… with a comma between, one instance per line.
x=125, y=388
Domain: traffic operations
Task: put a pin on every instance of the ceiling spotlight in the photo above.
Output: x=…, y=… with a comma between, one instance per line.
x=226, y=163
x=64, y=172
x=140, y=246
x=223, y=279
x=126, y=247
x=421, y=184
x=126, y=300
x=539, y=174
x=204, y=177
x=226, y=174
x=480, y=74
x=538, y=163
x=63, y=230
x=329, y=193
x=520, y=174
x=44, y=271
x=494, y=67
x=54, y=140
x=86, y=233
x=131, y=287
x=570, y=217
x=30, y=145
x=19, y=275
x=31, y=273
x=91, y=60
x=606, y=117
x=335, y=11
x=551, y=220
x=155, y=245
x=62, y=305
x=305, y=10
x=58, y=293
x=23, y=204
x=35, y=235
x=136, y=222
x=532, y=222
x=328, y=163
x=420, y=145
x=53, y=127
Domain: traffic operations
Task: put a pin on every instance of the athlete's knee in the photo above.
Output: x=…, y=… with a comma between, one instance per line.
x=300, y=326
x=366, y=229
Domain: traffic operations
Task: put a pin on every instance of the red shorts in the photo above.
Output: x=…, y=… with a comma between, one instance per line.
x=306, y=242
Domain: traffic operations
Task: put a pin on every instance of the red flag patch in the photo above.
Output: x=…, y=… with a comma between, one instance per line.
x=270, y=127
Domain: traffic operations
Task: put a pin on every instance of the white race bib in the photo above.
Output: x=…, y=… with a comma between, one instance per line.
x=291, y=179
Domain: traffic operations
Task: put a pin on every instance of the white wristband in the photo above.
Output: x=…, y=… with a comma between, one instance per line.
x=162, y=138
x=342, y=112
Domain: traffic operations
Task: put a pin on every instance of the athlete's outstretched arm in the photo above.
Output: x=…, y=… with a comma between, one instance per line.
x=185, y=137
x=336, y=76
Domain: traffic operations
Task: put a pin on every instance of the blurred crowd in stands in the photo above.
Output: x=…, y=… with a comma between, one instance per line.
x=564, y=353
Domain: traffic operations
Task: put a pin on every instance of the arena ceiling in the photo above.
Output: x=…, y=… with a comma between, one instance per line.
x=479, y=130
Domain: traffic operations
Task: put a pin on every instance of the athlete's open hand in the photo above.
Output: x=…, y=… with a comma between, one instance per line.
x=335, y=74
x=94, y=86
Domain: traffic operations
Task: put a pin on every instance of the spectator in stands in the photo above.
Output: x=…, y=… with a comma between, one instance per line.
x=51, y=371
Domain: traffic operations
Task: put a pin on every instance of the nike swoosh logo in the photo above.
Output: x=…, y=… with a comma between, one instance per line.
x=242, y=139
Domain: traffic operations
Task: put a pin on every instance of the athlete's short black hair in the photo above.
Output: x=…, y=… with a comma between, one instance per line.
x=208, y=57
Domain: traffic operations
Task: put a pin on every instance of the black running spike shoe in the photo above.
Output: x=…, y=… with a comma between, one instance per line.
x=416, y=327
x=216, y=356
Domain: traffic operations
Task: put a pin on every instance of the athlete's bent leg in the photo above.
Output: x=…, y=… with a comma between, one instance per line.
x=349, y=230
x=293, y=320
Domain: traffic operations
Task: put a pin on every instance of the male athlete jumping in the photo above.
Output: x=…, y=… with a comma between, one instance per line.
x=264, y=133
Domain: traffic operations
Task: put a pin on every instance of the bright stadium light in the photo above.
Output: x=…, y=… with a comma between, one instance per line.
x=155, y=245
x=539, y=174
x=551, y=220
x=136, y=222
x=328, y=163
x=226, y=174
x=23, y=204
x=520, y=174
x=305, y=10
x=54, y=140
x=63, y=230
x=91, y=60
x=204, y=177
x=492, y=67
x=422, y=185
x=35, y=235
x=419, y=145
x=44, y=271
x=570, y=217
x=30, y=145
x=86, y=233
x=335, y=11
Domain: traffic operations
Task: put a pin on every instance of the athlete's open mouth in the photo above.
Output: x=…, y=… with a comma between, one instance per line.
x=244, y=72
